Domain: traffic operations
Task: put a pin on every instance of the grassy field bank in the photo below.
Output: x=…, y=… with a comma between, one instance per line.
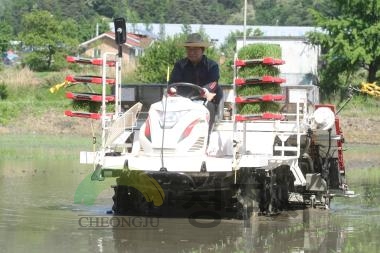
x=28, y=107
x=35, y=146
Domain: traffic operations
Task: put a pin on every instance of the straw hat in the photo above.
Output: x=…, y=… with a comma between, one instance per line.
x=195, y=40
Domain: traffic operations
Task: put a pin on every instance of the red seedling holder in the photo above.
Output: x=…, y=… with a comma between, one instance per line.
x=263, y=116
x=264, y=61
x=259, y=98
x=258, y=80
x=95, y=61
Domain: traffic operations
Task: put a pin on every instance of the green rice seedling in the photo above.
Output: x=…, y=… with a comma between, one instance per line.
x=87, y=106
x=258, y=71
x=271, y=88
x=246, y=90
x=258, y=89
x=245, y=109
x=270, y=107
x=259, y=50
x=258, y=108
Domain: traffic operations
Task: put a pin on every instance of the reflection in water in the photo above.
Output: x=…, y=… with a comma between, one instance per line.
x=38, y=214
x=302, y=231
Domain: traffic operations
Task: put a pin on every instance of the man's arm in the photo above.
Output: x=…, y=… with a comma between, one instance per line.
x=213, y=77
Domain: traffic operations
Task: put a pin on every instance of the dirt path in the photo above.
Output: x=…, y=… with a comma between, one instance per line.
x=52, y=122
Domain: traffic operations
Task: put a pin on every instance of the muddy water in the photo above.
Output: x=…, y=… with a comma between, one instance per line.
x=38, y=183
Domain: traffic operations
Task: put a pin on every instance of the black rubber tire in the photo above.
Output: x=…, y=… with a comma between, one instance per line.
x=129, y=201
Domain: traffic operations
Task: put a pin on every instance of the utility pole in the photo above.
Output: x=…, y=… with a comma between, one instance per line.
x=245, y=23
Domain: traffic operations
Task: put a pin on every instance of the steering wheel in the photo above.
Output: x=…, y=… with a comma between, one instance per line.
x=188, y=90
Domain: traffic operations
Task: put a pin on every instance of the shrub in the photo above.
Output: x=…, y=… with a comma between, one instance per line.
x=3, y=92
x=8, y=111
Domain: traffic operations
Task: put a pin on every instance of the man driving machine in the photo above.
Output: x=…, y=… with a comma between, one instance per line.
x=198, y=69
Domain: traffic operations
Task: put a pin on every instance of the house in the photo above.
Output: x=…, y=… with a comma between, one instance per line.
x=131, y=49
x=10, y=57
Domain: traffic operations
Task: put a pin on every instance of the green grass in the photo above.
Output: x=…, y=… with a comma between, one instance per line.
x=364, y=175
x=361, y=106
x=27, y=146
x=363, y=151
x=29, y=93
x=32, y=95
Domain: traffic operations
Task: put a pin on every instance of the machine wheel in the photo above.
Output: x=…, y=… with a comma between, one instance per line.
x=118, y=204
x=275, y=193
x=203, y=167
x=334, y=180
x=313, y=202
x=249, y=192
x=126, y=166
x=327, y=202
x=128, y=200
x=244, y=207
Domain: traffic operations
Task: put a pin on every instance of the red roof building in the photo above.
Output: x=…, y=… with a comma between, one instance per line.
x=105, y=42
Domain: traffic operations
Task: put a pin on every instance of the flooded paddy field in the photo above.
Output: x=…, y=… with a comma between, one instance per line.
x=40, y=177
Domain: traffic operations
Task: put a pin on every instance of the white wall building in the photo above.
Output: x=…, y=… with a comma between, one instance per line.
x=217, y=33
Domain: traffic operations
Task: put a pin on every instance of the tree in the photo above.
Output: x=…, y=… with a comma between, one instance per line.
x=48, y=40
x=77, y=10
x=183, y=12
x=86, y=28
x=15, y=11
x=350, y=40
x=5, y=36
x=153, y=65
x=237, y=18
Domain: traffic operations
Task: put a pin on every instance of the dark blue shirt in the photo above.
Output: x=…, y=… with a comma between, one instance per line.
x=204, y=74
